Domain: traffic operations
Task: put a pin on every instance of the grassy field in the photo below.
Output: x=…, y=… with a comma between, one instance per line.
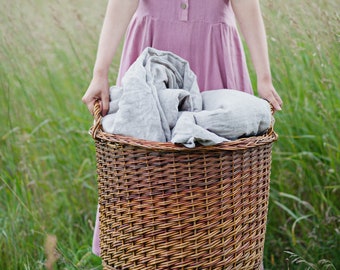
x=48, y=192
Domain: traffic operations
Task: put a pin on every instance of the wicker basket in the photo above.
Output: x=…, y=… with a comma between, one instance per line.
x=164, y=206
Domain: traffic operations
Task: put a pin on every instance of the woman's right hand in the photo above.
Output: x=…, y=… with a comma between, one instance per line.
x=117, y=18
x=98, y=90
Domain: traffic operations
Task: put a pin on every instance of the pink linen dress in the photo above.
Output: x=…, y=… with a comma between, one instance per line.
x=203, y=32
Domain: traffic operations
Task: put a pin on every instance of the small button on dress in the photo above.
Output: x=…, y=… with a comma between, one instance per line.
x=184, y=12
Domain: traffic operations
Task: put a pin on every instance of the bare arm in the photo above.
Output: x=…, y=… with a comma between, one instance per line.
x=117, y=17
x=249, y=17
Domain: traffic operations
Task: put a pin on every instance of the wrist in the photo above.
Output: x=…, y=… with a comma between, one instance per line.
x=100, y=73
x=264, y=78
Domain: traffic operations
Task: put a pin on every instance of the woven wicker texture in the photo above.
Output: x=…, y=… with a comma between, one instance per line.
x=164, y=206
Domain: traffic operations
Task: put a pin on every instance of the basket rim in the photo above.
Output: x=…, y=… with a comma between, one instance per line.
x=239, y=144
x=97, y=133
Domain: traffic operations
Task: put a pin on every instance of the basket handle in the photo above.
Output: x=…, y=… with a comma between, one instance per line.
x=270, y=131
x=97, y=118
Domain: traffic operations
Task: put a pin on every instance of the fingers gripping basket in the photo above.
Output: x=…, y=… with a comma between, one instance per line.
x=164, y=206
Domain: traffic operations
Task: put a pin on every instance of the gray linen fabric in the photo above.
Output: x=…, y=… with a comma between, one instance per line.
x=226, y=115
x=189, y=133
x=233, y=114
x=145, y=85
x=160, y=101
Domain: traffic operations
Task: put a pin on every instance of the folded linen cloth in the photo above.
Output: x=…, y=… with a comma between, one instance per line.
x=156, y=86
x=226, y=115
x=189, y=133
x=233, y=114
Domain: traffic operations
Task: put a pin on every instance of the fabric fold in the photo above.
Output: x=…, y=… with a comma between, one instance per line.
x=159, y=100
x=140, y=113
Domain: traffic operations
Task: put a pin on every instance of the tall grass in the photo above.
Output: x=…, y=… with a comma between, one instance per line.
x=303, y=229
x=47, y=166
x=46, y=156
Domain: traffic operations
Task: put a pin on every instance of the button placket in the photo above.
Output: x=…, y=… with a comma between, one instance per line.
x=184, y=10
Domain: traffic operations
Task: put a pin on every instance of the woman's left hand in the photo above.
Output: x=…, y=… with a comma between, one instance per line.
x=267, y=91
x=249, y=17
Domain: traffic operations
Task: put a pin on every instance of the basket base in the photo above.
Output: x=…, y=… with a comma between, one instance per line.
x=197, y=210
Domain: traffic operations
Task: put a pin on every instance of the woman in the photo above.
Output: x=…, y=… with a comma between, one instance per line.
x=201, y=31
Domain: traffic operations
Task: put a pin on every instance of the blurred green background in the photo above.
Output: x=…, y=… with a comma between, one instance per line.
x=48, y=191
